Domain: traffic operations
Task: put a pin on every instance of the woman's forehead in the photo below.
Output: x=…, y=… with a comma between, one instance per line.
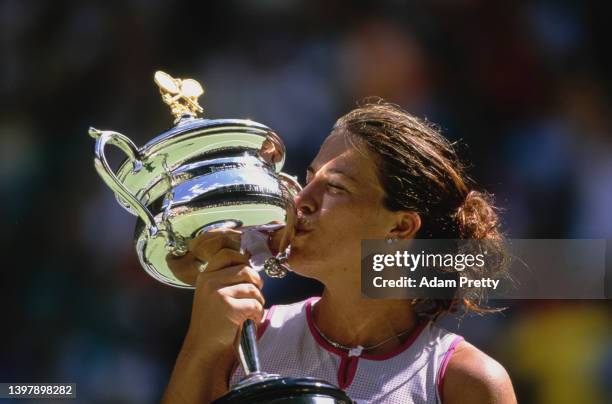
x=338, y=152
x=335, y=145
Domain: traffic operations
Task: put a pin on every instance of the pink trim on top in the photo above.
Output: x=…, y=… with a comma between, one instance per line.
x=264, y=325
x=444, y=364
x=407, y=344
x=313, y=331
x=347, y=371
x=348, y=365
x=341, y=352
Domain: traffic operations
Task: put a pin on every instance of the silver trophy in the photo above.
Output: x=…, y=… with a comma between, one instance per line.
x=200, y=175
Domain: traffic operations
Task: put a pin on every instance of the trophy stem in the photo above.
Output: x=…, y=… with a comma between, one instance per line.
x=247, y=350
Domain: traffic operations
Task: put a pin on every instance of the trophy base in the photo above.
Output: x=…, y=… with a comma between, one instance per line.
x=274, y=389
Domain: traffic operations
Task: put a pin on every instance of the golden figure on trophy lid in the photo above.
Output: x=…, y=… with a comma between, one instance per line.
x=180, y=94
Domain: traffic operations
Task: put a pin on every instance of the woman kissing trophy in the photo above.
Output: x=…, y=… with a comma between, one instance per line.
x=200, y=175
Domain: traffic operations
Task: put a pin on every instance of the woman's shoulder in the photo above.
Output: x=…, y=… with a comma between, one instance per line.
x=473, y=376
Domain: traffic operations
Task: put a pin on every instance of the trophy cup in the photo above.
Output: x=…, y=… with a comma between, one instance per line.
x=200, y=175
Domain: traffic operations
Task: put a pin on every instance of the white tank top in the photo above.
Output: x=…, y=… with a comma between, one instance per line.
x=289, y=345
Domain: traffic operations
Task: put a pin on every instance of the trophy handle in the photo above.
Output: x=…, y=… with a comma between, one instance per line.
x=104, y=137
x=247, y=350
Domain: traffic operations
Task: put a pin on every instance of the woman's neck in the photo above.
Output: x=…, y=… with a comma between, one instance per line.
x=351, y=320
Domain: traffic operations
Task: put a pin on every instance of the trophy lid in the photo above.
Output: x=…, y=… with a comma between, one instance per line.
x=193, y=139
x=181, y=95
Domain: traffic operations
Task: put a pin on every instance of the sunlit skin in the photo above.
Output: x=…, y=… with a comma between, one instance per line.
x=341, y=204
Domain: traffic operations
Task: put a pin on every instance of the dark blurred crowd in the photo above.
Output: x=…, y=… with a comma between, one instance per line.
x=523, y=87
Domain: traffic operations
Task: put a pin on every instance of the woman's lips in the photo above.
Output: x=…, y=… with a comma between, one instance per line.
x=302, y=227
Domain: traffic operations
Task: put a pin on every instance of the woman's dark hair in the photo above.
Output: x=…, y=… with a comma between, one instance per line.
x=420, y=171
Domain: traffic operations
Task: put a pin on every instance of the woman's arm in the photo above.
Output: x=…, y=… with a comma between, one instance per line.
x=197, y=378
x=227, y=293
x=474, y=377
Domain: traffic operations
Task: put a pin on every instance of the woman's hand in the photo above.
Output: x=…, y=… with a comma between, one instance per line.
x=227, y=293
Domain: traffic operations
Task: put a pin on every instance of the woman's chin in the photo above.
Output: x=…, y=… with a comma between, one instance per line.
x=295, y=260
x=307, y=265
x=299, y=262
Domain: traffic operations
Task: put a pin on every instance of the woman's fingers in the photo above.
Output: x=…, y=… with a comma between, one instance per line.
x=238, y=301
x=225, y=257
x=243, y=291
x=212, y=252
x=245, y=308
x=205, y=246
x=183, y=267
x=229, y=276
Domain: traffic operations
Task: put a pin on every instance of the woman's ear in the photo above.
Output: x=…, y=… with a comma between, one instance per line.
x=407, y=225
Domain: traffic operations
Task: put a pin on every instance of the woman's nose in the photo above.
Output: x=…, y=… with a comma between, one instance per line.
x=305, y=201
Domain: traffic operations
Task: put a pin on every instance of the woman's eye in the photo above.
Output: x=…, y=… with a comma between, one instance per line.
x=335, y=187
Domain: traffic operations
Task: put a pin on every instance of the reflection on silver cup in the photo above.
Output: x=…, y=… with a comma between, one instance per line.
x=200, y=175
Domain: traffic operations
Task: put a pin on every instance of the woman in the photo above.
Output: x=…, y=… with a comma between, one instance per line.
x=381, y=174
